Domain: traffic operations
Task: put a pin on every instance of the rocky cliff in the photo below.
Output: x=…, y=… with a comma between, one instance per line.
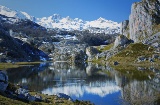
x=144, y=20
x=15, y=50
x=124, y=29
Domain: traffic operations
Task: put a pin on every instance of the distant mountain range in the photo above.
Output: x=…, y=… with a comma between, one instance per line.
x=101, y=25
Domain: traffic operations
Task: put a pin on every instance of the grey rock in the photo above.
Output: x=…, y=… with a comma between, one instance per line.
x=38, y=97
x=31, y=98
x=141, y=59
x=115, y=63
x=62, y=95
x=144, y=15
x=3, y=81
x=91, y=52
x=155, y=56
x=120, y=41
x=141, y=68
x=21, y=91
x=151, y=59
x=124, y=28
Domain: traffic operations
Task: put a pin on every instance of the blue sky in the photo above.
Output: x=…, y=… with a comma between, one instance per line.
x=116, y=10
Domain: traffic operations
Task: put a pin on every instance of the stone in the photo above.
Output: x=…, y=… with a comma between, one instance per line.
x=155, y=56
x=144, y=17
x=121, y=40
x=3, y=81
x=141, y=68
x=21, y=91
x=31, y=98
x=62, y=95
x=124, y=28
x=151, y=59
x=38, y=97
x=24, y=95
x=115, y=63
x=91, y=52
x=141, y=59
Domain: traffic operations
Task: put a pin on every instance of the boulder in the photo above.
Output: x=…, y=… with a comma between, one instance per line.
x=62, y=95
x=141, y=68
x=141, y=59
x=115, y=63
x=121, y=40
x=91, y=52
x=151, y=59
x=23, y=94
x=38, y=97
x=155, y=56
x=3, y=81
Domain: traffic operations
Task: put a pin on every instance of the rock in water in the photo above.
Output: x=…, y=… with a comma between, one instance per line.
x=3, y=81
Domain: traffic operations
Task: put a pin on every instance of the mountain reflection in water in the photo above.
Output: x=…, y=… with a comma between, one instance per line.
x=86, y=83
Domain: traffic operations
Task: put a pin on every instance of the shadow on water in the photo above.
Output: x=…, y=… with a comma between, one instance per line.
x=100, y=84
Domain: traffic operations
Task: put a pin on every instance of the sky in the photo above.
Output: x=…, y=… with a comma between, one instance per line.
x=115, y=10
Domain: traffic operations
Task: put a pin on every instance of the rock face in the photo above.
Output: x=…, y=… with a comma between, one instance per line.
x=143, y=21
x=70, y=52
x=124, y=28
x=13, y=49
x=91, y=52
x=121, y=41
x=3, y=81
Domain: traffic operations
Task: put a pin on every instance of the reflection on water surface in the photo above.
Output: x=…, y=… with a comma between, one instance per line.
x=101, y=85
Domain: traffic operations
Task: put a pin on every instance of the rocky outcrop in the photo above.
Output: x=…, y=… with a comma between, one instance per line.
x=66, y=51
x=144, y=20
x=91, y=52
x=15, y=50
x=124, y=28
x=121, y=41
x=3, y=81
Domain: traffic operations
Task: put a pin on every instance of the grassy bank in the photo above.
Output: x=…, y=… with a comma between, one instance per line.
x=11, y=99
x=4, y=66
x=129, y=55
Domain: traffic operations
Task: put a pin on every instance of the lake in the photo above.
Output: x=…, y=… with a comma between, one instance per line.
x=102, y=85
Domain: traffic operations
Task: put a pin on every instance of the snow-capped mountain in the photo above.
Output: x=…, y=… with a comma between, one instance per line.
x=100, y=25
x=15, y=14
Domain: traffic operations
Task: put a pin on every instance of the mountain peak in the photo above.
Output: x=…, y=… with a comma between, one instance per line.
x=56, y=16
x=15, y=14
x=100, y=19
x=65, y=23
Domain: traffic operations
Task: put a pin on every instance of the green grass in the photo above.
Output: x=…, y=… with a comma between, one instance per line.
x=46, y=99
x=135, y=50
x=4, y=66
x=8, y=101
x=131, y=72
x=132, y=52
x=105, y=48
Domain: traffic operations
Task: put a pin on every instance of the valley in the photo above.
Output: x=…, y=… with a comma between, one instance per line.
x=72, y=61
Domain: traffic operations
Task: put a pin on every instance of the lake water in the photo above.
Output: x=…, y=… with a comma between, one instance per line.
x=101, y=85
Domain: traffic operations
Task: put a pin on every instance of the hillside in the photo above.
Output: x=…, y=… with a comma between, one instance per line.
x=15, y=50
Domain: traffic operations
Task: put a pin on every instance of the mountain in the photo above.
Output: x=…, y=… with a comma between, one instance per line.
x=16, y=14
x=144, y=20
x=100, y=25
x=15, y=50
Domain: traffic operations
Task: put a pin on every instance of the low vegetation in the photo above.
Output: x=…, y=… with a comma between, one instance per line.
x=46, y=99
x=104, y=48
x=132, y=52
x=4, y=66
